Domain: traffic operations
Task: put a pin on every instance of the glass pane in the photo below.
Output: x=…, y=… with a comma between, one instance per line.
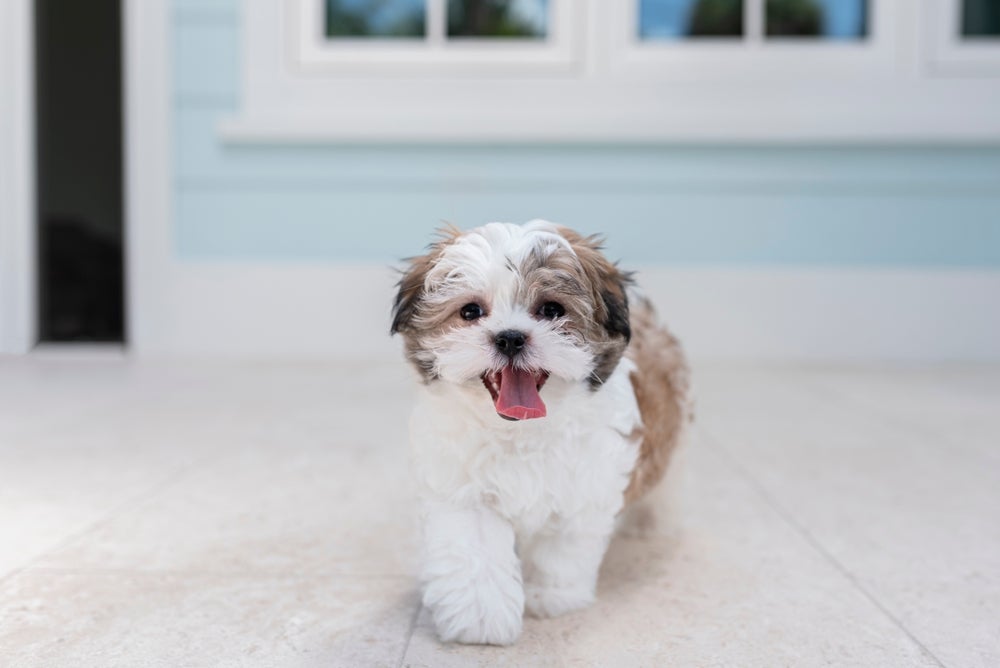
x=677, y=19
x=826, y=19
x=980, y=18
x=375, y=18
x=498, y=18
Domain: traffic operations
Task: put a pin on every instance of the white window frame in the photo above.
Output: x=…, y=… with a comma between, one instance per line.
x=754, y=54
x=435, y=54
x=949, y=54
x=602, y=84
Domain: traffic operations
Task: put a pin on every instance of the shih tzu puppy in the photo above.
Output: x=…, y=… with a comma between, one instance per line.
x=551, y=399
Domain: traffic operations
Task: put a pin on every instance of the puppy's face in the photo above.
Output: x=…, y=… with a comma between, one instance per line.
x=505, y=308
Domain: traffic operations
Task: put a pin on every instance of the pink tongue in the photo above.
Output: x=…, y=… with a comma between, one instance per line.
x=519, y=397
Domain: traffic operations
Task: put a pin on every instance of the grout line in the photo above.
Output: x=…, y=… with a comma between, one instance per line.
x=409, y=634
x=804, y=533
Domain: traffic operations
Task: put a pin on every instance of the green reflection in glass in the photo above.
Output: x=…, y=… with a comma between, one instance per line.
x=678, y=19
x=825, y=19
x=524, y=19
x=375, y=18
x=981, y=18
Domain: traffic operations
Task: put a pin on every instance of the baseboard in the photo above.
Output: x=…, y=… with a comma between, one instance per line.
x=795, y=314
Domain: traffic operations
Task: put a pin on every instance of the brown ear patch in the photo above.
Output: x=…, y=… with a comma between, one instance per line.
x=610, y=331
x=661, y=386
x=411, y=284
x=410, y=292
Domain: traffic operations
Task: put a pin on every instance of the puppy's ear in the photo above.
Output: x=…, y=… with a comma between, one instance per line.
x=610, y=284
x=411, y=285
x=615, y=298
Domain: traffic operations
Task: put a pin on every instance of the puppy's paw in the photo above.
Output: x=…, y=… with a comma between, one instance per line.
x=485, y=612
x=552, y=601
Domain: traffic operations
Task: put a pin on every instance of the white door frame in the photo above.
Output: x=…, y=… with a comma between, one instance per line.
x=17, y=178
x=147, y=173
x=146, y=100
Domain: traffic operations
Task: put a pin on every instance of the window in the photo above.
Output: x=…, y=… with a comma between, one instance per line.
x=617, y=70
x=761, y=39
x=687, y=19
x=980, y=18
x=435, y=37
x=825, y=19
x=678, y=19
x=963, y=37
x=372, y=18
x=498, y=19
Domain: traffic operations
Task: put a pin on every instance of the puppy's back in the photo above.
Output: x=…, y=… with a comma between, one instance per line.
x=661, y=385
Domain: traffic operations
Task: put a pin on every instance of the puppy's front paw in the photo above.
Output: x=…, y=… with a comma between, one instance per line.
x=552, y=601
x=483, y=612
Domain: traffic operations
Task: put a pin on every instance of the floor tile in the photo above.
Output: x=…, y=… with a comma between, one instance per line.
x=892, y=497
x=272, y=508
x=105, y=620
x=731, y=584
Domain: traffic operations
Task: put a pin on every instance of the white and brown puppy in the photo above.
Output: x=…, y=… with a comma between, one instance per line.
x=547, y=405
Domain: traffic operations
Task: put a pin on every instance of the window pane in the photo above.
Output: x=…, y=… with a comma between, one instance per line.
x=676, y=19
x=827, y=19
x=980, y=18
x=498, y=18
x=375, y=18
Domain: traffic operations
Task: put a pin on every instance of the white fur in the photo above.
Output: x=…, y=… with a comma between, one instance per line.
x=517, y=514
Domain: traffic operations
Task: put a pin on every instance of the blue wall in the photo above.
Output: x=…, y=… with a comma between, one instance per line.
x=887, y=206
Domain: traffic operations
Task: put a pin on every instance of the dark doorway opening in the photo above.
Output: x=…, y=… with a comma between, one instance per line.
x=78, y=90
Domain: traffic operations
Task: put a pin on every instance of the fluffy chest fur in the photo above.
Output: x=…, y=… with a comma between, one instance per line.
x=540, y=474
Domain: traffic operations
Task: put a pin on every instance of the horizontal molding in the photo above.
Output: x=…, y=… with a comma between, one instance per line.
x=200, y=157
x=305, y=311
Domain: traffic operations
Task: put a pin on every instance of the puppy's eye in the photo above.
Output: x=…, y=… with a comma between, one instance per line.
x=551, y=310
x=471, y=312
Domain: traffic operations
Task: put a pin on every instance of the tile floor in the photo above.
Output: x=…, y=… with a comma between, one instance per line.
x=258, y=514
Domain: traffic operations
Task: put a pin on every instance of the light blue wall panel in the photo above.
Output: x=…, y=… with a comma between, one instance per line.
x=206, y=59
x=643, y=227
x=872, y=206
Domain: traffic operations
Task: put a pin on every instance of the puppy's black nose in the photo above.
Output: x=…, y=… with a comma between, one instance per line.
x=510, y=342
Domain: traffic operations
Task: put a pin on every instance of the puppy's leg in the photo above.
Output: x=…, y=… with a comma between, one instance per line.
x=560, y=570
x=472, y=576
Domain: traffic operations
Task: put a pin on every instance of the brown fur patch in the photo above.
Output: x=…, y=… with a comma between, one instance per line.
x=608, y=330
x=661, y=386
x=405, y=310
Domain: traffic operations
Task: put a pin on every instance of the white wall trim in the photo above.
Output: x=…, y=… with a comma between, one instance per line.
x=148, y=176
x=882, y=89
x=17, y=178
x=797, y=314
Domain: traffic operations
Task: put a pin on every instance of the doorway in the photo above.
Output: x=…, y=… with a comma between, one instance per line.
x=80, y=195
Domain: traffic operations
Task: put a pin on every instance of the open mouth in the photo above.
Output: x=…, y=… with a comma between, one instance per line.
x=515, y=392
